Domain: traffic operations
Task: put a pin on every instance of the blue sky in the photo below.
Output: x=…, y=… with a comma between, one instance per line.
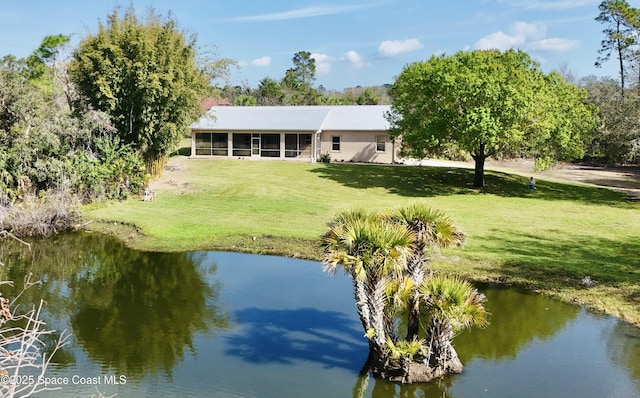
x=354, y=42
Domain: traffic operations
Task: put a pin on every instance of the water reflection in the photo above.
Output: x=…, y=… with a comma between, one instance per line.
x=290, y=336
x=135, y=313
x=623, y=346
x=517, y=319
x=229, y=324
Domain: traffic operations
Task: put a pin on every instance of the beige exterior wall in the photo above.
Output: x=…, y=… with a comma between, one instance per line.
x=342, y=146
x=358, y=146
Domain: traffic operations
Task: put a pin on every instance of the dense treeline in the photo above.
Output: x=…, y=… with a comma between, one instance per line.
x=52, y=154
x=296, y=88
x=45, y=146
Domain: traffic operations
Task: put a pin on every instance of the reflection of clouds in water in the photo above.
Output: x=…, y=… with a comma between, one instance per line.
x=306, y=334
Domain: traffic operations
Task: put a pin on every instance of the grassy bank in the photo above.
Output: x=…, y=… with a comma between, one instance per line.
x=547, y=240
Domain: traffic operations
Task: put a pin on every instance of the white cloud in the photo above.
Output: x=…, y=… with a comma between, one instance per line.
x=391, y=48
x=500, y=41
x=557, y=4
x=526, y=36
x=529, y=31
x=262, y=61
x=323, y=63
x=305, y=12
x=555, y=45
x=353, y=58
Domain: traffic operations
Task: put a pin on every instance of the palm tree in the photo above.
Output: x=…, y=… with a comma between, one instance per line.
x=452, y=304
x=373, y=252
x=432, y=229
x=385, y=256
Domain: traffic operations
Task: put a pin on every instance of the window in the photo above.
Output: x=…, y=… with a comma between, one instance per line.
x=270, y=145
x=219, y=144
x=241, y=144
x=381, y=143
x=297, y=145
x=212, y=144
x=335, y=143
x=203, y=144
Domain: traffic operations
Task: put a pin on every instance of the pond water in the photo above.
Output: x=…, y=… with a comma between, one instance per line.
x=236, y=325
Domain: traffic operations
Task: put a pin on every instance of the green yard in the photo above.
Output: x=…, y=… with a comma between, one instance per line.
x=547, y=240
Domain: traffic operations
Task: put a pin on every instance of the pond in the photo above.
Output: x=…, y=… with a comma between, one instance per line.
x=236, y=325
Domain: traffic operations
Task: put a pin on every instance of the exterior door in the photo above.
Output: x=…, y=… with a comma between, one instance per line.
x=255, y=146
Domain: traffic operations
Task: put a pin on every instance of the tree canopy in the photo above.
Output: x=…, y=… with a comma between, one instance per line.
x=621, y=35
x=489, y=104
x=145, y=76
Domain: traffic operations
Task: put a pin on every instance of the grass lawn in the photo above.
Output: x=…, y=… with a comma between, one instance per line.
x=546, y=240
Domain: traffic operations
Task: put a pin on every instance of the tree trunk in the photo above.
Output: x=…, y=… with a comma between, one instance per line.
x=415, y=268
x=479, y=156
x=360, y=294
x=443, y=358
x=413, y=320
x=376, y=297
x=621, y=65
x=403, y=370
x=155, y=164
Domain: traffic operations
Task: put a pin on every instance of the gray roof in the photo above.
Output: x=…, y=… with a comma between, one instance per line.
x=295, y=118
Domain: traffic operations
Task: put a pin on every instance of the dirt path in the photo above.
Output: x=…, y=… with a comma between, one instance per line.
x=624, y=179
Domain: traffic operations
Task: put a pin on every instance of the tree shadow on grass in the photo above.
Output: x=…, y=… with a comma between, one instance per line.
x=424, y=181
x=565, y=259
x=289, y=336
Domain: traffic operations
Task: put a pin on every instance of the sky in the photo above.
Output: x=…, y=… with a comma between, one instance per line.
x=354, y=42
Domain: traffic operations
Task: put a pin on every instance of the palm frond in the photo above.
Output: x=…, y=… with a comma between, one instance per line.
x=404, y=348
x=454, y=300
x=432, y=227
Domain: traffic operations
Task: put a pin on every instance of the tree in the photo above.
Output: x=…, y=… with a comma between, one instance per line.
x=304, y=68
x=372, y=252
x=620, y=37
x=488, y=104
x=432, y=229
x=145, y=76
x=269, y=92
x=616, y=141
x=368, y=97
x=245, y=100
x=49, y=71
x=453, y=305
x=44, y=147
x=385, y=256
x=298, y=81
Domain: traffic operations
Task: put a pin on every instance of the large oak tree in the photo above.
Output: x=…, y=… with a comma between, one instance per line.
x=490, y=104
x=145, y=76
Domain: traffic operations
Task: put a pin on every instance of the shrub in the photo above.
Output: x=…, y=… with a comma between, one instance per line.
x=57, y=211
x=325, y=158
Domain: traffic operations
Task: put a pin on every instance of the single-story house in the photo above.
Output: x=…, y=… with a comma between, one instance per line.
x=348, y=133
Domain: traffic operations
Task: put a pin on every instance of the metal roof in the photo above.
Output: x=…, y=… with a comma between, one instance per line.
x=295, y=118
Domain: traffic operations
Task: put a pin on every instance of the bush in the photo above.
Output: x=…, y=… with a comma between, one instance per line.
x=114, y=171
x=325, y=158
x=57, y=211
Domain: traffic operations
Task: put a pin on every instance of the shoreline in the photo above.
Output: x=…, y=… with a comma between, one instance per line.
x=590, y=298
